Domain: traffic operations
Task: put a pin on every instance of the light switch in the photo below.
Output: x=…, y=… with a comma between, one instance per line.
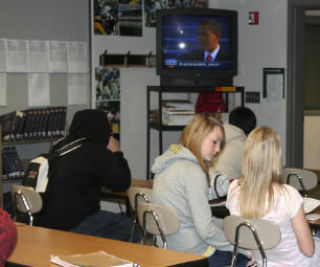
x=252, y=97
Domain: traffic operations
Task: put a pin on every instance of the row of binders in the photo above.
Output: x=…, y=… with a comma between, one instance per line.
x=33, y=124
x=11, y=164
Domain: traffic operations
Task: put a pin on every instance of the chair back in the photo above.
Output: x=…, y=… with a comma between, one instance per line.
x=251, y=234
x=26, y=200
x=157, y=219
x=137, y=194
x=301, y=179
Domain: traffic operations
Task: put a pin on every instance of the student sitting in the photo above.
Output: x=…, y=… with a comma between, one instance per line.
x=227, y=165
x=260, y=193
x=181, y=182
x=72, y=199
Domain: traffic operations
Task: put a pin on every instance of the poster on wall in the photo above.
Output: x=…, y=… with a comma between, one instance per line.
x=118, y=17
x=130, y=18
x=106, y=17
x=108, y=95
x=151, y=7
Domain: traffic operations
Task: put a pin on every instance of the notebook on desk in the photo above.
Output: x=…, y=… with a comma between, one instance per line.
x=310, y=204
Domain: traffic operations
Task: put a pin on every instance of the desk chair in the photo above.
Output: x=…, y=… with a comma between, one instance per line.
x=26, y=200
x=158, y=220
x=301, y=179
x=137, y=194
x=251, y=234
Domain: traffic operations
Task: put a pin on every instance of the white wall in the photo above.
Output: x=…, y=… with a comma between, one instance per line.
x=264, y=45
x=133, y=83
x=261, y=46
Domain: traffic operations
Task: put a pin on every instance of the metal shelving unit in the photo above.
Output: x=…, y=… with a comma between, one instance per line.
x=159, y=90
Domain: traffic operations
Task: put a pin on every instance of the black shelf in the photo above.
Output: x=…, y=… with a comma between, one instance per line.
x=158, y=126
x=18, y=142
x=155, y=122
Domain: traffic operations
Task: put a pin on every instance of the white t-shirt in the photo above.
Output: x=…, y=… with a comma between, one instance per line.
x=286, y=205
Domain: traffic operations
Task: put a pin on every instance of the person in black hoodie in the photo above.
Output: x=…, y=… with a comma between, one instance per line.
x=71, y=201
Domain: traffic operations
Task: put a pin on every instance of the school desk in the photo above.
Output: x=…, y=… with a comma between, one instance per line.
x=36, y=244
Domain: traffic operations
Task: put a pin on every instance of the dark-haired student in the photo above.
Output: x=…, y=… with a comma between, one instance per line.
x=227, y=166
x=71, y=201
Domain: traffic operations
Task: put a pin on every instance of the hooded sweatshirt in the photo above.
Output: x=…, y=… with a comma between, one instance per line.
x=229, y=159
x=74, y=188
x=181, y=184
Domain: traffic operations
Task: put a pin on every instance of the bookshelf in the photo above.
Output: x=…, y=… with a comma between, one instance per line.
x=24, y=162
x=158, y=124
x=39, y=127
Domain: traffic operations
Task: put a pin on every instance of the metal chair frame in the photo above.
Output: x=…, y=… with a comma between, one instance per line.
x=306, y=179
x=22, y=200
x=256, y=237
x=253, y=234
x=156, y=219
x=135, y=219
x=303, y=189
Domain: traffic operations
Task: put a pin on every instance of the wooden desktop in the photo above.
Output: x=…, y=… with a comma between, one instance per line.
x=36, y=244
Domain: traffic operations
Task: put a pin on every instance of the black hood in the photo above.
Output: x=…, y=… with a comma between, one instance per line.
x=92, y=124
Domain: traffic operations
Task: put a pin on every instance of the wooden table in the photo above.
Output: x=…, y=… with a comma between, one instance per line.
x=107, y=193
x=36, y=244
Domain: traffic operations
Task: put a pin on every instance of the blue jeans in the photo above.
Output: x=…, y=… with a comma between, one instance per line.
x=223, y=258
x=107, y=224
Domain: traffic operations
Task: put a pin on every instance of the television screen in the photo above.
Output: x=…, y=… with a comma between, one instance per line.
x=197, y=43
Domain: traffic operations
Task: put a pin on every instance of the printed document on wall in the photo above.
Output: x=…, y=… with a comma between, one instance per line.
x=58, y=56
x=38, y=56
x=77, y=89
x=17, y=55
x=39, y=90
x=3, y=55
x=77, y=57
x=3, y=89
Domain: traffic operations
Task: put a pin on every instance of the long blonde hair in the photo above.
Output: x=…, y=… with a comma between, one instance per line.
x=261, y=172
x=196, y=131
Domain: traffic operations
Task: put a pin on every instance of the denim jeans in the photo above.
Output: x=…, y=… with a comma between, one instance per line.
x=223, y=258
x=107, y=224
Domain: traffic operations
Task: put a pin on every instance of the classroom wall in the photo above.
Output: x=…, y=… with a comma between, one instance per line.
x=263, y=45
x=57, y=20
x=43, y=20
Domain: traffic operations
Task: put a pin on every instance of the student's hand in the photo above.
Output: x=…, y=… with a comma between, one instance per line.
x=252, y=262
x=113, y=144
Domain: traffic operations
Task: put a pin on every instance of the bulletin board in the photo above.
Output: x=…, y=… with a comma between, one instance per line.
x=37, y=23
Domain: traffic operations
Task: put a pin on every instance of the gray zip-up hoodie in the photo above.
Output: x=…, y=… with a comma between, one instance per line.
x=181, y=184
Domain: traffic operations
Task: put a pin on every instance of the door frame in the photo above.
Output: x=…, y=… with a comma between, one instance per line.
x=295, y=74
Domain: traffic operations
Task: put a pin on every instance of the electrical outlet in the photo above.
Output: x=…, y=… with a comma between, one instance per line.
x=252, y=97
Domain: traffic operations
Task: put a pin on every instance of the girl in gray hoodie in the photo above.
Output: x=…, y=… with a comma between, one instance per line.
x=181, y=182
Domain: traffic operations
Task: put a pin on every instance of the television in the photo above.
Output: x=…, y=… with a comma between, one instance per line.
x=181, y=34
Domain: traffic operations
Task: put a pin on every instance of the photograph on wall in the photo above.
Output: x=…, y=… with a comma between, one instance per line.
x=106, y=17
x=151, y=7
x=108, y=95
x=130, y=17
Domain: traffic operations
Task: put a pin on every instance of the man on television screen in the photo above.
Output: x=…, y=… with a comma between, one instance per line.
x=211, y=51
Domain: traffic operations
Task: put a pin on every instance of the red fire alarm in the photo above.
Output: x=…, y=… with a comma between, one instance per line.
x=253, y=18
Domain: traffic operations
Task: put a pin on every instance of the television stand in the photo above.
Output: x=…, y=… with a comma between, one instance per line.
x=160, y=127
